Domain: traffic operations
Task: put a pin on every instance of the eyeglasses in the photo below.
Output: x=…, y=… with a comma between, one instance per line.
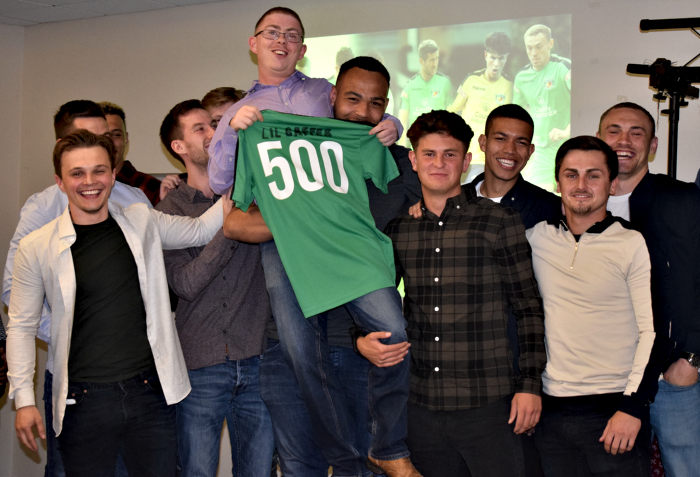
x=290, y=36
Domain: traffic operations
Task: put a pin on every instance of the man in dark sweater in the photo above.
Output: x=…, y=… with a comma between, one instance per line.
x=222, y=312
x=667, y=213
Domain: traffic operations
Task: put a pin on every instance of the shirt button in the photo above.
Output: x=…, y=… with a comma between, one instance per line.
x=437, y=279
x=437, y=369
x=437, y=249
x=437, y=308
x=224, y=305
x=458, y=207
x=437, y=338
x=439, y=223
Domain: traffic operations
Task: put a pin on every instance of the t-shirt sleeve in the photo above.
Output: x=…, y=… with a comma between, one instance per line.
x=242, y=194
x=377, y=162
x=405, y=104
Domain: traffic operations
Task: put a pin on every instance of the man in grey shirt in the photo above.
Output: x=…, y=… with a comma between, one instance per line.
x=221, y=316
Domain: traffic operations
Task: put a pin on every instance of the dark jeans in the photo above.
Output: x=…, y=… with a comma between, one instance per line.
x=300, y=454
x=54, y=464
x=128, y=417
x=474, y=442
x=568, y=434
x=231, y=391
x=305, y=348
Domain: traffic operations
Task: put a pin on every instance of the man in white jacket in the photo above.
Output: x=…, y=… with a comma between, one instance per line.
x=117, y=359
x=594, y=276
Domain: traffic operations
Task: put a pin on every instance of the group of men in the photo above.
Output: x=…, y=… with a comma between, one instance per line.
x=300, y=343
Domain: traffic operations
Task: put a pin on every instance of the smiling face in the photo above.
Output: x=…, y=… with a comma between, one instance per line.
x=360, y=96
x=440, y=160
x=507, y=148
x=538, y=50
x=277, y=59
x=584, y=183
x=630, y=134
x=197, y=131
x=87, y=179
x=494, y=65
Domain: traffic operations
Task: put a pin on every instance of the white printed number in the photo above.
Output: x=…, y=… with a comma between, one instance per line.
x=304, y=181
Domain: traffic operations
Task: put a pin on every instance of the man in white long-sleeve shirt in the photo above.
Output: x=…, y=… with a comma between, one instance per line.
x=117, y=358
x=594, y=276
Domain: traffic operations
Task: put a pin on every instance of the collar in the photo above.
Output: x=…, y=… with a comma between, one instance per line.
x=293, y=78
x=511, y=192
x=597, y=228
x=127, y=170
x=195, y=196
x=459, y=202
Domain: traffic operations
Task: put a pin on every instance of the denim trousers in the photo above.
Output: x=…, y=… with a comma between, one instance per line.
x=567, y=438
x=675, y=419
x=54, y=464
x=230, y=391
x=306, y=351
x=476, y=442
x=300, y=454
x=128, y=417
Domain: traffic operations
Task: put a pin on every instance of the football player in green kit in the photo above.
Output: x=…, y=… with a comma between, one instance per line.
x=544, y=88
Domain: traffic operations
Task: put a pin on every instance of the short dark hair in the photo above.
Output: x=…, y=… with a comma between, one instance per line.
x=366, y=63
x=440, y=122
x=82, y=139
x=426, y=47
x=113, y=109
x=170, y=129
x=509, y=111
x=498, y=42
x=344, y=54
x=629, y=105
x=222, y=95
x=587, y=143
x=72, y=110
x=285, y=11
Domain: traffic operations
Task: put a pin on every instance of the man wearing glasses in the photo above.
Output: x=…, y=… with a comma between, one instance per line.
x=278, y=44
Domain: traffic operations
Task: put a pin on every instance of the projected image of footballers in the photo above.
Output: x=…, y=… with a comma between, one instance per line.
x=544, y=88
x=426, y=91
x=485, y=89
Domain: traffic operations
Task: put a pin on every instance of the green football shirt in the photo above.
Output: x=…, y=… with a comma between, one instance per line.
x=419, y=97
x=308, y=178
x=547, y=94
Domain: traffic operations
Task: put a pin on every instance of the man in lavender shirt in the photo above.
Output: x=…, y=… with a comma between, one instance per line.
x=278, y=42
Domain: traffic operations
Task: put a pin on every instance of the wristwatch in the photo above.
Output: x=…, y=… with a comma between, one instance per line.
x=692, y=358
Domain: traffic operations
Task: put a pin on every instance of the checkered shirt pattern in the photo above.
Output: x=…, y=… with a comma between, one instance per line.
x=461, y=272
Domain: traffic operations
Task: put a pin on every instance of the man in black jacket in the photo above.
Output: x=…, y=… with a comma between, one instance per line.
x=667, y=213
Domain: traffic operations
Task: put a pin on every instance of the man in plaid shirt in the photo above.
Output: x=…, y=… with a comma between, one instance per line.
x=464, y=263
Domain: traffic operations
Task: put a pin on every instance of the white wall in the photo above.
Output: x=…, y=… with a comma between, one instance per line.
x=147, y=62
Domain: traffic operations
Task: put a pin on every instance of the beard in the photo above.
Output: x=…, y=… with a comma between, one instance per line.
x=201, y=161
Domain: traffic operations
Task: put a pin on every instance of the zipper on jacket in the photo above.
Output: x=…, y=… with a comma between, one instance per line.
x=575, y=252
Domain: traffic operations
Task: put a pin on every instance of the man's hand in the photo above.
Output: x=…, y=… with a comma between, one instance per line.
x=386, y=132
x=169, y=183
x=681, y=373
x=557, y=134
x=245, y=117
x=527, y=409
x=415, y=210
x=27, y=418
x=378, y=353
x=620, y=433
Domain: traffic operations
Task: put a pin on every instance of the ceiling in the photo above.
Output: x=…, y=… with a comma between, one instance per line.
x=33, y=12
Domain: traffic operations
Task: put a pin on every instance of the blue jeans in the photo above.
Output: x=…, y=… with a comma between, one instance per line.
x=230, y=391
x=128, y=417
x=675, y=419
x=54, y=464
x=300, y=455
x=567, y=438
x=305, y=348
